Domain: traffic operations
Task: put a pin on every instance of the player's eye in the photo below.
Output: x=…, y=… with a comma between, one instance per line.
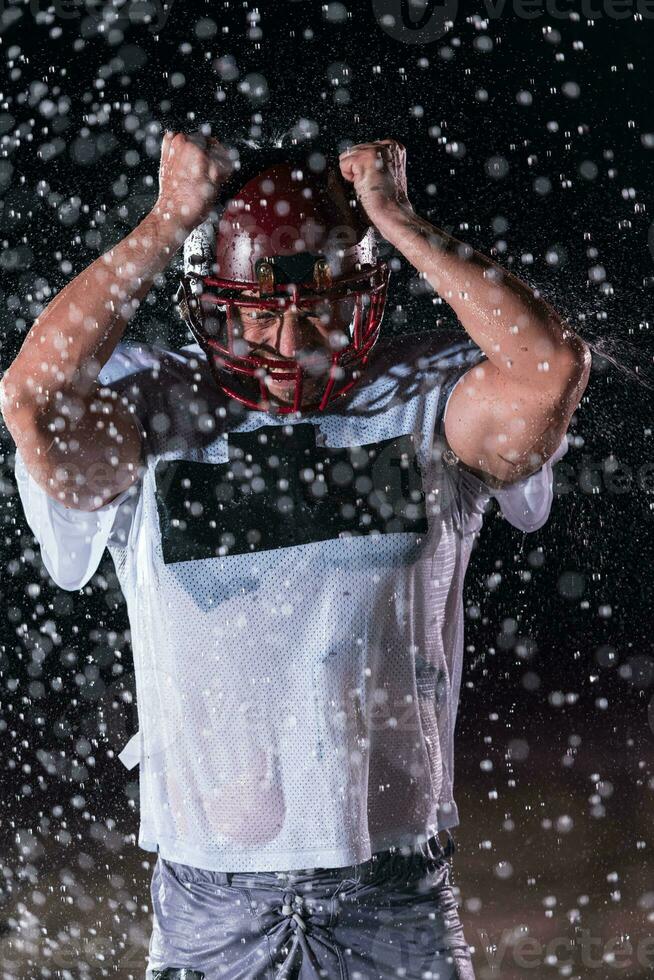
x=269, y=317
x=259, y=316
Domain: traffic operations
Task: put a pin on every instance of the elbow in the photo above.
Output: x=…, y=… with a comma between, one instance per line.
x=573, y=366
x=14, y=403
x=4, y=400
x=582, y=360
x=25, y=419
x=579, y=353
x=9, y=407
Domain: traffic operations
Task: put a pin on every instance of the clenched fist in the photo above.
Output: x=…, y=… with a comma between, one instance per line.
x=378, y=172
x=191, y=171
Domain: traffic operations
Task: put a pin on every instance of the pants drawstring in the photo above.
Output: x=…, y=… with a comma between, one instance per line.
x=292, y=908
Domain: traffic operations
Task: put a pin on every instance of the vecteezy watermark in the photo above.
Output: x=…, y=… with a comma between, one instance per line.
x=68, y=953
x=610, y=475
x=429, y=946
x=425, y=21
x=151, y=13
x=415, y=21
x=410, y=950
x=591, y=952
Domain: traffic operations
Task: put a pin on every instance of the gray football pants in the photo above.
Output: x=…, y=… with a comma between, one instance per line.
x=393, y=916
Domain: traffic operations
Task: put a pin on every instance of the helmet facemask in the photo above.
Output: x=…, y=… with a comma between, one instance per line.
x=342, y=295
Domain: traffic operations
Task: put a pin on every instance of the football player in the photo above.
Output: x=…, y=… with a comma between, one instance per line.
x=290, y=502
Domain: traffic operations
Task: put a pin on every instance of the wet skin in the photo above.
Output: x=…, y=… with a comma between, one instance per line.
x=309, y=334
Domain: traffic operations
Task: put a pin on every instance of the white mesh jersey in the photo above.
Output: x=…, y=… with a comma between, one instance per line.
x=294, y=591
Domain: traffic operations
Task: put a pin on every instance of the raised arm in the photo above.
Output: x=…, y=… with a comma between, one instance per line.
x=510, y=411
x=78, y=440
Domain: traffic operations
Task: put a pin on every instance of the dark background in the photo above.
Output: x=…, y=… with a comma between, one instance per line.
x=530, y=137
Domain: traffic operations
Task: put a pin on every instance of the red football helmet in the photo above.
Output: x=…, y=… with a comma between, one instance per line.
x=287, y=235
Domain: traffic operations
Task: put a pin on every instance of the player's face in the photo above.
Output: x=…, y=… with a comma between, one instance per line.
x=307, y=334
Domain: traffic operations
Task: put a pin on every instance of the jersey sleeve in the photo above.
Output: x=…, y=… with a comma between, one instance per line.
x=526, y=504
x=72, y=541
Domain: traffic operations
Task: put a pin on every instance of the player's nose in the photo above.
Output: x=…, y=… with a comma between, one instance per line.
x=298, y=334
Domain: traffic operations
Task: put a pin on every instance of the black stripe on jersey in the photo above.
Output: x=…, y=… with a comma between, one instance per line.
x=279, y=489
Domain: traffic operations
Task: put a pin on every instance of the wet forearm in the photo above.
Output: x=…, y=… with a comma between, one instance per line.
x=75, y=335
x=517, y=330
